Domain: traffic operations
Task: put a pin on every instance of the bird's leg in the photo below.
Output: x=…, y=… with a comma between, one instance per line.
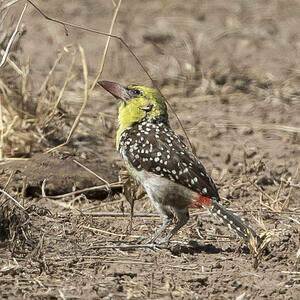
x=166, y=215
x=182, y=218
x=167, y=220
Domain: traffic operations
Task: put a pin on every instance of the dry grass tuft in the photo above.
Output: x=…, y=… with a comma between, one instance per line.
x=15, y=223
x=257, y=247
x=15, y=140
x=22, y=111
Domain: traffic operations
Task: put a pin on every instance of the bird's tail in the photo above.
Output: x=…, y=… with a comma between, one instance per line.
x=233, y=221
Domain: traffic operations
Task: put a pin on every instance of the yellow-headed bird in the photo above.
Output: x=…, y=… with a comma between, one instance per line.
x=173, y=177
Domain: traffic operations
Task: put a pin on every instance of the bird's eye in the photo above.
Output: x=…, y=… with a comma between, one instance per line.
x=136, y=92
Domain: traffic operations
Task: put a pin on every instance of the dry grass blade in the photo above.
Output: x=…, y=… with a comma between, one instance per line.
x=85, y=99
x=10, y=126
x=12, y=64
x=86, y=93
x=43, y=85
x=287, y=199
x=13, y=199
x=69, y=77
x=5, y=186
x=279, y=190
x=24, y=90
x=10, y=3
x=11, y=40
x=5, y=102
x=106, y=45
x=262, y=191
x=274, y=204
x=298, y=259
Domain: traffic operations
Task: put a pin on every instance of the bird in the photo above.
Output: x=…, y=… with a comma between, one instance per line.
x=157, y=158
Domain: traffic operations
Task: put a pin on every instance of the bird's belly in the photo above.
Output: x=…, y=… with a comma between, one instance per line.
x=163, y=190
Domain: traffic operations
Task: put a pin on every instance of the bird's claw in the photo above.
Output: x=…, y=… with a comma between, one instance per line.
x=159, y=241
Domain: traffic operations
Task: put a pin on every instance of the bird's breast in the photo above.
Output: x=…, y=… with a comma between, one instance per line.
x=163, y=190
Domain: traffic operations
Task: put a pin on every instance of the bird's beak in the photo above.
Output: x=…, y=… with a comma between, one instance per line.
x=117, y=90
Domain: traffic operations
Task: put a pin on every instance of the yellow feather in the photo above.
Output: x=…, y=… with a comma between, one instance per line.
x=133, y=111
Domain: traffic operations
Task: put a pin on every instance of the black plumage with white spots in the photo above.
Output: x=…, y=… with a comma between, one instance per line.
x=154, y=147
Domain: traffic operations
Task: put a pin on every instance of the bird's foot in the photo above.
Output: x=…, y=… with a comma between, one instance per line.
x=152, y=240
x=159, y=241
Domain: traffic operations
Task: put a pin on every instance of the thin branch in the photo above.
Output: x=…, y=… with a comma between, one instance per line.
x=63, y=23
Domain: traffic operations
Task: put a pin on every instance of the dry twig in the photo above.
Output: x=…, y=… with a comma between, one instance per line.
x=69, y=77
x=65, y=24
x=13, y=199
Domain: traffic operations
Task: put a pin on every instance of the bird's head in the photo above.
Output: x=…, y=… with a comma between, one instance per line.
x=136, y=104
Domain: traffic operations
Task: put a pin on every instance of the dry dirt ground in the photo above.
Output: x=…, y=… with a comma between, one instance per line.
x=230, y=69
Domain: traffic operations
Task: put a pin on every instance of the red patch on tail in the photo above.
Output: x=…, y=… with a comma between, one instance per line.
x=199, y=201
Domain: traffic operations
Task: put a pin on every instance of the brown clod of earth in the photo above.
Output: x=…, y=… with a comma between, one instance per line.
x=61, y=173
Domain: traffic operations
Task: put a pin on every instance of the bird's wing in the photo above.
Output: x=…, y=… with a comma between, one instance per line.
x=157, y=149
